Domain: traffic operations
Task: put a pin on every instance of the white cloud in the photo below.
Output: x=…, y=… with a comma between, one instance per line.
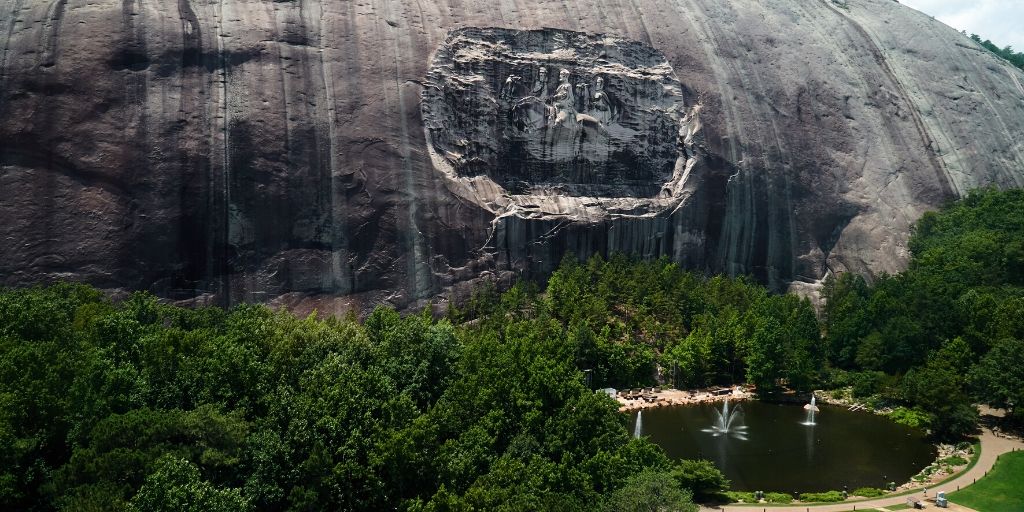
x=1002, y=21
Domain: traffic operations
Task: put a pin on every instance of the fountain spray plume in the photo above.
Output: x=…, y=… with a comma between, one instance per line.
x=638, y=429
x=728, y=423
x=811, y=409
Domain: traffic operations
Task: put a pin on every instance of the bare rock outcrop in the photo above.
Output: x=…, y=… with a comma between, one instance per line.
x=340, y=154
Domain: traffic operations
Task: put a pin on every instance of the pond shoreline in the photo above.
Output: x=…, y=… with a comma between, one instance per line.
x=650, y=398
x=647, y=398
x=927, y=476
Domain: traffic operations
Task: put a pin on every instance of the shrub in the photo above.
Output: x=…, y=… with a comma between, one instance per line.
x=777, y=497
x=738, y=496
x=876, y=402
x=701, y=477
x=826, y=497
x=909, y=417
x=868, y=492
x=955, y=460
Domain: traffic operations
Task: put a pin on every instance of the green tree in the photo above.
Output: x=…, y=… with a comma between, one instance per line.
x=806, y=350
x=766, y=354
x=998, y=378
x=693, y=358
x=938, y=390
x=175, y=485
x=650, y=491
x=122, y=448
x=701, y=477
x=1015, y=58
x=846, y=316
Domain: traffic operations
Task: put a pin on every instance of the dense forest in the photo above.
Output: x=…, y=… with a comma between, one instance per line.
x=949, y=330
x=141, y=405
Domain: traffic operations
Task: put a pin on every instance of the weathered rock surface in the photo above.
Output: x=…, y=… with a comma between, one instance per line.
x=338, y=154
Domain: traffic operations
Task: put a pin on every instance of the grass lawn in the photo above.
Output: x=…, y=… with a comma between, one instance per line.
x=1001, y=490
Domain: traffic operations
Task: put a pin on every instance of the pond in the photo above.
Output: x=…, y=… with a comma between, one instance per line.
x=770, y=447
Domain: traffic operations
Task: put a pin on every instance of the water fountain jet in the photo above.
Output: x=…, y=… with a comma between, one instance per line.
x=638, y=429
x=811, y=409
x=726, y=423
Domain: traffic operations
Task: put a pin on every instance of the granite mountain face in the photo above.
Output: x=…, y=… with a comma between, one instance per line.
x=340, y=154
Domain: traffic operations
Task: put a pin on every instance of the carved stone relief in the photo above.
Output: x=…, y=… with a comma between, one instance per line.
x=552, y=122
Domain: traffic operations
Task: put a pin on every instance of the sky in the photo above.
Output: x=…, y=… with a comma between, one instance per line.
x=1001, y=21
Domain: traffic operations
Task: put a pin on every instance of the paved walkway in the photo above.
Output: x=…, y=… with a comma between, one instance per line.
x=991, y=448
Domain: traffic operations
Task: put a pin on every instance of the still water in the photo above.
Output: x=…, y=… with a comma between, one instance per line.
x=776, y=452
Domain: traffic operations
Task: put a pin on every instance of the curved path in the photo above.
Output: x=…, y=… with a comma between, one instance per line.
x=991, y=448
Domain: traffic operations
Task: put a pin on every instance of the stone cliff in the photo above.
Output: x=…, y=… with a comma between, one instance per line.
x=340, y=154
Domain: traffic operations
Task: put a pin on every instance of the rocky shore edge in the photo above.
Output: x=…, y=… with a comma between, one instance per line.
x=648, y=398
